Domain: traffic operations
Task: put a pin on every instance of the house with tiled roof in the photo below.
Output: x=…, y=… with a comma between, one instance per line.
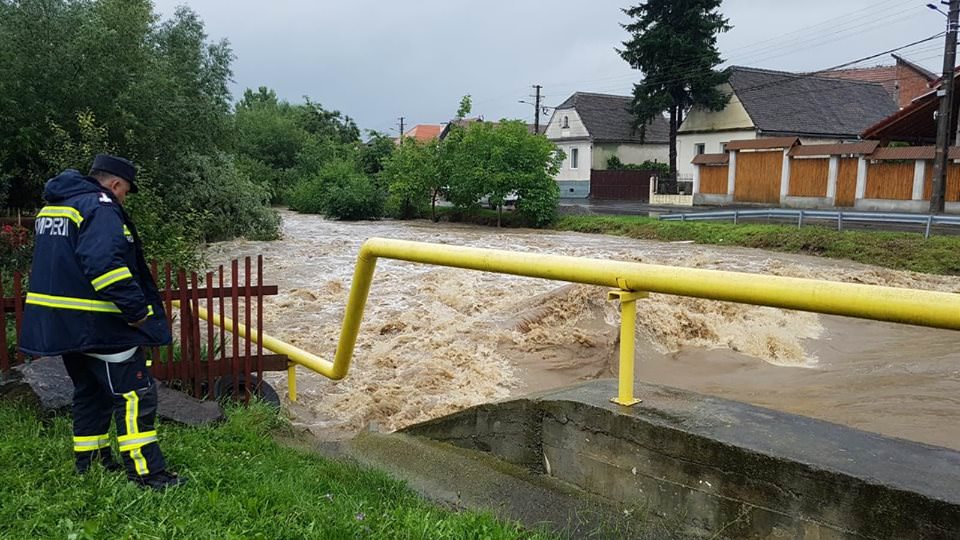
x=764, y=103
x=591, y=128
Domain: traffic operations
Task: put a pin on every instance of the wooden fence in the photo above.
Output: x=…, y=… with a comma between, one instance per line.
x=202, y=360
x=713, y=179
x=758, y=176
x=621, y=184
x=890, y=180
x=808, y=177
x=846, y=182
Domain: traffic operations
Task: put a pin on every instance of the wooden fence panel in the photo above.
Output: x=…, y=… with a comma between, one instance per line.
x=758, y=177
x=808, y=177
x=622, y=185
x=890, y=180
x=846, y=182
x=953, y=182
x=713, y=179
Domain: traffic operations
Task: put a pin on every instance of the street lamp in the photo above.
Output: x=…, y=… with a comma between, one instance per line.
x=935, y=8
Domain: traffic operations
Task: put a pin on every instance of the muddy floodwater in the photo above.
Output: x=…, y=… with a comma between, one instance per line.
x=436, y=340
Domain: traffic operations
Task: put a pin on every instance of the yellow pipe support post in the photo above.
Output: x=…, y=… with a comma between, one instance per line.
x=292, y=382
x=628, y=333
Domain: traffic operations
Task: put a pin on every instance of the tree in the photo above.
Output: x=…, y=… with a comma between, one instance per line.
x=466, y=105
x=413, y=179
x=493, y=160
x=674, y=44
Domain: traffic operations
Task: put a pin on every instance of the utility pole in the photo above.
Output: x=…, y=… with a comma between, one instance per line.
x=938, y=193
x=536, y=111
x=536, y=108
x=401, y=130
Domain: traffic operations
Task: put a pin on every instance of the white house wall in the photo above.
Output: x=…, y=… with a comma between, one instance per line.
x=629, y=153
x=687, y=146
x=556, y=131
x=582, y=172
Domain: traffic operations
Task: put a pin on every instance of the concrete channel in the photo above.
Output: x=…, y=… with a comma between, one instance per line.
x=720, y=468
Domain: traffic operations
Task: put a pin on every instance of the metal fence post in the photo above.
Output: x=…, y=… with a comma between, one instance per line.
x=800, y=220
x=736, y=216
x=840, y=221
x=926, y=234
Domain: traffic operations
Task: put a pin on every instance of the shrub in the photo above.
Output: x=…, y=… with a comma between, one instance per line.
x=338, y=191
x=227, y=203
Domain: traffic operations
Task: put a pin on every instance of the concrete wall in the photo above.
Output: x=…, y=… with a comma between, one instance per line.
x=629, y=153
x=574, y=189
x=712, y=200
x=718, y=468
x=891, y=205
x=807, y=202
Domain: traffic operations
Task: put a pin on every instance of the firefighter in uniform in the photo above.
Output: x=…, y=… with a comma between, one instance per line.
x=93, y=301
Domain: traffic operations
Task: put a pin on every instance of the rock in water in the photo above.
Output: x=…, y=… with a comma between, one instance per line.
x=44, y=383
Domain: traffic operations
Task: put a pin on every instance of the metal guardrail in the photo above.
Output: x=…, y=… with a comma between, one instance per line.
x=630, y=282
x=838, y=216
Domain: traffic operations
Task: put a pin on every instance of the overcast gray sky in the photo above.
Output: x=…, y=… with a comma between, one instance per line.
x=378, y=60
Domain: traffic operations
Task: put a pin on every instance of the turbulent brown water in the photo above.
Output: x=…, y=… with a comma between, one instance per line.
x=436, y=340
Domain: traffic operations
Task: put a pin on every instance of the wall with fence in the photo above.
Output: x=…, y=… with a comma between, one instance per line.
x=857, y=175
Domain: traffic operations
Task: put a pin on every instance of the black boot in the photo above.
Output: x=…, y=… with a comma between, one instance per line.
x=159, y=481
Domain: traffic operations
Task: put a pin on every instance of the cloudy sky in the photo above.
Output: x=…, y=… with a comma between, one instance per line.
x=379, y=60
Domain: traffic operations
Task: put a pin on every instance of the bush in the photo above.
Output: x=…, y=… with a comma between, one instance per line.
x=353, y=199
x=228, y=203
x=538, y=205
x=169, y=235
x=338, y=191
x=614, y=164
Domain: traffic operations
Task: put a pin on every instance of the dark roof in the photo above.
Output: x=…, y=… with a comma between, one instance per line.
x=763, y=143
x=859, y=148
x=913, y=152
x=711, y=159
x=798, y=104
x=608, y=119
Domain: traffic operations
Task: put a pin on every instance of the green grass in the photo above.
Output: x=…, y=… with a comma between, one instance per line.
x=902, y=251
x=243, y=484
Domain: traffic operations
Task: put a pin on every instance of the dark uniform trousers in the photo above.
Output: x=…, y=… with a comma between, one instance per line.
x=124, y=390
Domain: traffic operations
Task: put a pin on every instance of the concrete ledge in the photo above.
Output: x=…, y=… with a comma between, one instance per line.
x=574, y=189
x=709, y=199
x=721, y=467
x=806, y=202
x=890, y=205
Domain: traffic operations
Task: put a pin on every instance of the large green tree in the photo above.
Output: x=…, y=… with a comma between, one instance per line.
x=674, y=44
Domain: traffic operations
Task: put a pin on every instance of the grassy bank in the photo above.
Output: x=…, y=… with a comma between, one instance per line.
x=903, y=251
x=242, y=485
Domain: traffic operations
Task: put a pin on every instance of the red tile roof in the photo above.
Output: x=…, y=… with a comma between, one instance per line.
x=861, y=148
x=763, y=144
x=711, y=159
x=424, y=132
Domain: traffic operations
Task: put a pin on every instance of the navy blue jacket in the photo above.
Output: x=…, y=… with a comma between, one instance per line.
x=89, y=277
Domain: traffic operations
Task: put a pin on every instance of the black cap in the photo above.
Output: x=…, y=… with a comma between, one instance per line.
x=117, y=166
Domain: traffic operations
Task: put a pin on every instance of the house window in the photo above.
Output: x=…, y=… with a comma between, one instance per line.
x=566, y=122
x=701, y=148
x=574, y=157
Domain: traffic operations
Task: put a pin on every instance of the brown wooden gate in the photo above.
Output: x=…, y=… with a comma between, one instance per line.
x=621, y=185
x=846, y=182
x=758, y=177
x=201, y=354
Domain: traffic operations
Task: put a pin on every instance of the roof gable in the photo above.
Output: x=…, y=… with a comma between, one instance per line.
x=608, y=118
x=790, y=103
